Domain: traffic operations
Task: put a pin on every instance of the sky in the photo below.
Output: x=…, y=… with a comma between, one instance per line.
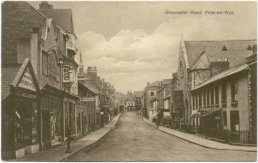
x=133, y=43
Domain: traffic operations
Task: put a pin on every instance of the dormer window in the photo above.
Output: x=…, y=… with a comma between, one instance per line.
x=249, y=47
x=224, y=48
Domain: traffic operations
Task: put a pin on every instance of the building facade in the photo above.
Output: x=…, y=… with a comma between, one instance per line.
x=30, y=34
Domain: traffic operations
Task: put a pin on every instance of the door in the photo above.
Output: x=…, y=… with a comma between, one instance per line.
x=46, y=128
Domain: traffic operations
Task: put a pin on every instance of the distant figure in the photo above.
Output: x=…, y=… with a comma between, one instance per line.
x=158, y=118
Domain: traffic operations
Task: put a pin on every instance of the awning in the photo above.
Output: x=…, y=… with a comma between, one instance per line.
x=210, y=112
x=166, y=114
x=195, y=115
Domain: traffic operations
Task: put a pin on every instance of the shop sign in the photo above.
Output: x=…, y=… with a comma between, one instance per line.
x=87, y=98
x=217, y=117
x=28, y=95
x=27, y=81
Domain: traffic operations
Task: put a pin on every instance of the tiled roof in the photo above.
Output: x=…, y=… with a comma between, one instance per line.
x=138, y=93
x=166, y=81
x=8, y=75
x=154, y=84
x=62, y=17
x=92, y=87
x=87, y=87
x=236, y=50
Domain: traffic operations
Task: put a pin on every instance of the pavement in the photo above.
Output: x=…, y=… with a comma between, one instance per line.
x=200, y=140
x=59, y=153
x=134, y=140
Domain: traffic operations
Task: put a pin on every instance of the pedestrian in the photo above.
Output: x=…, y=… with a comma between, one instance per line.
x=158, y=119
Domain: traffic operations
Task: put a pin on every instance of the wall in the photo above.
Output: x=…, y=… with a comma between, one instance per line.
x=18, y=18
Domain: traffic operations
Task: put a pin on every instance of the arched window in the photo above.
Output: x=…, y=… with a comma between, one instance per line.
x=44, y=63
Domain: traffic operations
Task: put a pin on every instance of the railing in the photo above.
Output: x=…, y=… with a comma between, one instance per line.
x=234, y=104
x=243, y=137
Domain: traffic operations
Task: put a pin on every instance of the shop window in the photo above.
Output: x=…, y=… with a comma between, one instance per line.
x=224, y=96
x=224, y=120
x=79, y=122
x=200, y=100
x=234, y=93
x=234, y=121
x=204, y=99
x=217, y=96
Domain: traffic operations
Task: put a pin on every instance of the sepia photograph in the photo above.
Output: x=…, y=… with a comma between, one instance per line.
x=129, y=81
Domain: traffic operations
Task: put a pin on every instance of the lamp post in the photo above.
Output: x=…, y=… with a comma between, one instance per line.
x=68, y=149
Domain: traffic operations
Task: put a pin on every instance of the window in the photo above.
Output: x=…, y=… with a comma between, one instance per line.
x=52, y=65
x=66, y=74
x=234, y=91
x=44, y=63
x=224, y=120
x=224, y=96
x=234, y=121
x=212, y=97
x=217, y=96
x=151, y=93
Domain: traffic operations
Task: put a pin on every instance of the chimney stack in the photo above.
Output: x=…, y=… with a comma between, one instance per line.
x=44, y=5
x=92, y=72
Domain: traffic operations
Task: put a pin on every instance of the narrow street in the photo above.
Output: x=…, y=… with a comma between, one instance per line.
x=134, y=140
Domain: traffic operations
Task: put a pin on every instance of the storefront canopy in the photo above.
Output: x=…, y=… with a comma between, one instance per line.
x=210, y=112
x=167, y=115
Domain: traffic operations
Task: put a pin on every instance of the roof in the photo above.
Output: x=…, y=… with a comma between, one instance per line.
x=236, y=50
x=166, y=81
x=62, y=17
x=12, y=76
x=224, y=74
x=85, y=86
x=8, y=75
x=92, y=87
x=138, y=93
x=154, y=84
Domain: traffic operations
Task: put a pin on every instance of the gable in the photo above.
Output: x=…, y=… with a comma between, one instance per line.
x=25, y=77
x=202, y=62
x=27, y=80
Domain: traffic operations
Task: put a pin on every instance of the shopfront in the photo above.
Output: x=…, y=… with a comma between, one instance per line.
x=51, y=120
x=20, y=115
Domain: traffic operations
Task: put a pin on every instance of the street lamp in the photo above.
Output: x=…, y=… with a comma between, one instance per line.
x=66, y=89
